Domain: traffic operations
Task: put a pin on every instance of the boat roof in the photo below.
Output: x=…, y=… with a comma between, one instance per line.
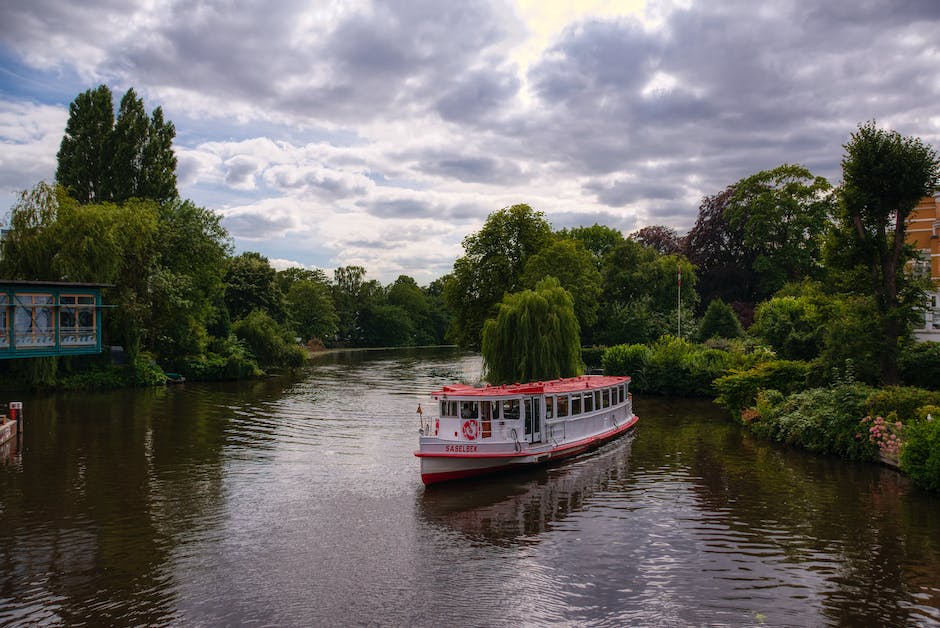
x=555, y=386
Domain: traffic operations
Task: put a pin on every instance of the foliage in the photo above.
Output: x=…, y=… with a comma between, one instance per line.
x=738, y=390
x=251, y=284
x=628, y=360
x=144, y=371
x=492, y=266
x=534, y=336
x=885, y=174
x=919, y=365
x=28, y=249
x=904, y=401
x=385, y=325
x=598, y=239
x=677, y=367
x=310, y=309
x=227, y=360
x=782, y=215
x=920, y=454
x=885, y=435
x=106, y=159
x=719, y=321
x=822, y=420
x=850, y=341
x=269, y=342
x=573, y=266
x=593, y=356
x=663, y=240
x=793, y=325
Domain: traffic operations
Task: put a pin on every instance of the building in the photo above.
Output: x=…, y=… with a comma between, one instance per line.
x=45, y=318
x=923, y=231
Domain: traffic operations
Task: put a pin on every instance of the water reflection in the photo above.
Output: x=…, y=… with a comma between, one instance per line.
x=512, y=508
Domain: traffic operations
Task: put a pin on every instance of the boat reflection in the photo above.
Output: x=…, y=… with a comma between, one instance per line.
x=513, y=508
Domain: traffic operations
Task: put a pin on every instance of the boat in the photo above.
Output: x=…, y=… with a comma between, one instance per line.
x=484, y=429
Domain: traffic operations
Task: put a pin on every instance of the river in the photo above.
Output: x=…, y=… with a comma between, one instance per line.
x=296, y=501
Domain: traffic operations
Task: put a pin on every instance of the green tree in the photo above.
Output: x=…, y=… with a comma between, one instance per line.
x=310, y=308
x=782, y=215
x=28, y=248
x=720, y=321
x=794, y=325
x=573, y=265
x=597, y=239
x=83, y=157
x=884, y=175
x=492, y=266
x=534, y=336
x=385, y=325
x=106, y=159
x=251, y=284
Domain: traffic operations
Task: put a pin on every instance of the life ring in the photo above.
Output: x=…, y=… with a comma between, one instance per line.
x=470, y=430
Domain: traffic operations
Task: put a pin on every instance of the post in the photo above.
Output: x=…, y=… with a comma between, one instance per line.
x=16, y=414
x=679, y=304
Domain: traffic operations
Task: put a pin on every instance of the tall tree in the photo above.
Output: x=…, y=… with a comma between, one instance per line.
x=783, y=215
x=884, y=175
x=573, y=265
x=534, y=336
x=84, y=154
x=492, y=266
x=598, y=239
x=106, y=159
x=251, y=284
x=661, y=238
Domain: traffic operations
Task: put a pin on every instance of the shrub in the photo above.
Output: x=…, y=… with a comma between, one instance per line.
x=823, y=420
x=593, y=357
x=628, y=360
x=721, y=321
x=105, y=378
x=902, y=400
x=270, y=343
x=920, y=455
x=738, y=390
x=143, y=371
x=919, y=365
x=792, y=325
x=678, y=367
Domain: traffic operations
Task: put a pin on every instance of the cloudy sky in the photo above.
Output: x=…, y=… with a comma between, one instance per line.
x=382, y=133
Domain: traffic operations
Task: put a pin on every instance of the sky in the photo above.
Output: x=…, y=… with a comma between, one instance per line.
x=381, y=134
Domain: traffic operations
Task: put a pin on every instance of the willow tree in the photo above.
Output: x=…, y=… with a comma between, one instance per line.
x=534, y=336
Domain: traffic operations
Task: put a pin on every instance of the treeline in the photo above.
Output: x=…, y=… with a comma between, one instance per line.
x=182, y=301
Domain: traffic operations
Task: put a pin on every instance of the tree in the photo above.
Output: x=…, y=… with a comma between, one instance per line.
x=720, y=322
x=492, y=266
x=716, y=247
x=782, y=215
x=884, y=176
x=597, y=239
x=794, y=325
x=106, y=159
x=28, y=248
x=573, y=265
x=534, y=336
x=310, y=308
x=251, y=284
x=665, y=240
x=83, y=161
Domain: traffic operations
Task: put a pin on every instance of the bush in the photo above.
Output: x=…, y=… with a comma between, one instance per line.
x=143, y=371
x=919, y=365
x=678, y=367
x=628, y=360
x=270, y=343
x=792, y=325
x=105, y=378
x=905, y=401
x=721, y=321
x=593, y=357
x=822, y=420
x=738, y=390
x=920, y=455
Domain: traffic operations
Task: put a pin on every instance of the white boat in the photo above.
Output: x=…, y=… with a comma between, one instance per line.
x=480, y=430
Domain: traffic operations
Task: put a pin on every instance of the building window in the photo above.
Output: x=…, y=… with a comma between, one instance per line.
x=77, y=320
x=4, y=320
x=33, y=321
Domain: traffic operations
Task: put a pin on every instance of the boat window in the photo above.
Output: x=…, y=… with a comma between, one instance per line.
x=468, y=410
x=448, y=408
x=511, y=409
x=623, y=393
x=549, y=407
x=562, y=406
x=597, y=400
x=606, y=396
x=494, y=408
x=588, y=402
x=575, y=404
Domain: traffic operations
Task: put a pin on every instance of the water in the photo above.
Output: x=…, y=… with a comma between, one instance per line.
x=298, y=502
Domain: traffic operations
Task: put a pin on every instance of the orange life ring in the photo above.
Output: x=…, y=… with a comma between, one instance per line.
x=470, y=430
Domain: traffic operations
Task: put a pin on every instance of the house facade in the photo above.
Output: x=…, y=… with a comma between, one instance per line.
x=923, y=231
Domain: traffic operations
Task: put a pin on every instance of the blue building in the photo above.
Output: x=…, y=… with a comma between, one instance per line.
x=43, y=318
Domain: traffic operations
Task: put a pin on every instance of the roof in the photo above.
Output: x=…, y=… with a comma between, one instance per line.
x=555, y=386
x=53, y=284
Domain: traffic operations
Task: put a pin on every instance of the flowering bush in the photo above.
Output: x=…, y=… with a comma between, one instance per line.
x=920, y=457
x=886, y=435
